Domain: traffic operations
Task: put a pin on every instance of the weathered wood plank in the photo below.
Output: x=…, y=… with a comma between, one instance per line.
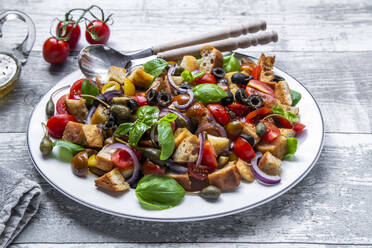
x=343, y=93
x=331, y=205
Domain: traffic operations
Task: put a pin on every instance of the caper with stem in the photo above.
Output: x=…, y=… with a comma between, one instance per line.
x=49, y=107
x=210, y=192
x=46, y=144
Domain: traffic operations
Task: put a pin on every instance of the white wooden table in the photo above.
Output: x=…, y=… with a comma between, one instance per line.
x=327, y=45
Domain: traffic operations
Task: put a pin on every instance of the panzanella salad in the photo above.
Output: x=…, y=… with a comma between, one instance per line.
x=168, y=128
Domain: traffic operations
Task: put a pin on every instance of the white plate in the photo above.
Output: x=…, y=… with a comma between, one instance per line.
x=246, y=196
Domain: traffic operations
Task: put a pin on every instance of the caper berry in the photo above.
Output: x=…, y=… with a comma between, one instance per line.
x=120, y=112
x=178, y=70
x=46, y=145
x=210, y=192
x=241, y=96
x=240, y=78
x=261, y=129
x=79, y=164
x=151, y=97
x=229, y=99
x=248, y=138
x=254, y=101
x=133, y=105
x=49, y=108
x=218, y=72
x=164, y=99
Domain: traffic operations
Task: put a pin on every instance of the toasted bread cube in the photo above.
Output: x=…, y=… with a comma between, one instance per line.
x=187, y=151
x=116, y=74
x=189, y=63
x=182, y=179
x=103, y=159
x=127, y=171
x=77, y=109
x=112, y=181
x=267, y=77
x=180, y=134
x=210, y=58
x=101, y=115
x=277, y=147
x=73, y=132
x=250, y=129
x=287, y=132
x=270, y=164
x=92, y=136
x=283, y=93
x=227, y=178
x=245, y=170
x=140, y=78
x=219, y=144
x=178, y=80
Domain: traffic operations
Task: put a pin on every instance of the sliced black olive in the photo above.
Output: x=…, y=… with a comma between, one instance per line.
x=261, y=129
x=151, y=97
x=254, y=101
x=133, y=105
x=229, y=99
x=178, y=71
x=240, y=78
x=278, y=78
x=164, y=99
x=218, y=72
x=248, y=138
x=241, y=96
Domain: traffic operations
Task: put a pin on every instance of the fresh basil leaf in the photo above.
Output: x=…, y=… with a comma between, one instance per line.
x=292, y=147
x=155, y=67
x=170, y=117
x=166, y=139
x=278, y=110
x=159, y=192
x=286, y=114
x=291, y=117
x=296, y=97
x=230, y=63
x=87, y=88
x=209, y=93
x=147, y=112
x=198, y=74
x=73, y=148
x=135, y=134
x=123, y=129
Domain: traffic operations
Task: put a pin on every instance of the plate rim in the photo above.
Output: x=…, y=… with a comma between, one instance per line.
x=187, y=219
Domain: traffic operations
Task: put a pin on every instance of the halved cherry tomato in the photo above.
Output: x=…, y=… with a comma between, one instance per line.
x=220, y=113
x=272, y=131
x=69, y=30
x=97, y=32
x=238, y=109
x=256, y=72
x=182, y=99
x=149, y=167
x=261, y=86
x=56, y=124
x=122, y=159
x=268, y=100
x=75, y=90
x=209, y=155
x=283, y=122
x=298, y=126
x=141, y=100
x=61, y=105
x=207, y=78
x=243, y=149
x=258, y=112
x=200, y=173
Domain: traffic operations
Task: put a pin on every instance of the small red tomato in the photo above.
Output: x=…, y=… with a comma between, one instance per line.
x=75, y=90
x=69, y=29
x=220, y=113
x=55, y=51
x=200, y=173
x=283, y=122
x=149, y=167
x=209, y=155
x=257, y=113
x=243, y=149
x=272, y=131
x=121, y=159
x=61, y=105
x=56, y=124
x=298, y=126
x=141, y=100
x=256, y=72
x=238, y=109
x=261, y=86
x=268, y=100
x=207, y=78
x=97, y=32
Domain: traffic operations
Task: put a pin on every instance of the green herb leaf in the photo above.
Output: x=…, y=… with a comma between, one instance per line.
x=292, y=147
x=158, y=192
x=286, y=114
x=170, y=117
x=296, y=97
x=187, y=76
x=148, y=114
x=123, y=129
x=209, y=93
x=87, y=88
x=166, y=139
x=135, y=134
x=230, y=63
x=73, y=148
x=155, y=67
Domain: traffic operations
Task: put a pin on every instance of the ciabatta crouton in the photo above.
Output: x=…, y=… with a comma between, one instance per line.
x=270, y=164
x=210, y=58
x=101, y=115
x=189, y=63
x=227, y=178
x=182, y=179
x=219, y=144
x=103, y=159
x=140, y=78
x=287, y=132
x=127, y=171
x=92, y=136
x=180, y=134
x=116, y=74
x=250, y=129
x=283, y=93
x=77, y=108
x=112, y=181
x=277, y=147
x=73, y=132
x=245, y=170
x=187, y=151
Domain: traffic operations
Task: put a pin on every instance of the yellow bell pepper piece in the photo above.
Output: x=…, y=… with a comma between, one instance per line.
x=129, y=88
x=92, y=161
x=112, y=85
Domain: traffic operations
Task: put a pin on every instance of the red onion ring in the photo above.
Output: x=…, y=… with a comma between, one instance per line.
x=171, y=82
x=186, y=105
x=164, y=111
x=90, y=114
x=260, y=175
x=136, y=164
x=201, y=150
x=111, y=94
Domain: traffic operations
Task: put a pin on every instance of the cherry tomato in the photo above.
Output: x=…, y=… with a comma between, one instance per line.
x=99, y=32
x=257, y=113
x=243, y=149
x=256, y=72
x=261, y=86
x=207, y=78
x=141, y=100
x=220, y=113
x=121, y=159
x=298, y=126
x=268, y=100
x=283, y=122
x=69, y=30
x=272, y=131
x=56, y=124
x=200, y=173
x=209, y=155
x=55, y=51
x=238, y=109
x=182, y=99
x=61, y=105
x=149, y=167
x=75, y=90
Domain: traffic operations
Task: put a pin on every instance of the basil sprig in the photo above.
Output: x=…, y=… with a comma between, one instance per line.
x=286, y=114
x=209, y=93
x=87, y=88
x=73, y=148
x=230, y=63
x=155, y=67
x=296, y=97
x=292, y=147
x=187, y=76
x=157, y=192
x=165, y=136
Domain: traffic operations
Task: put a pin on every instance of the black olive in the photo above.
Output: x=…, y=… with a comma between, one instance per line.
x=110, y=122
x=223, y=82
x=218, y=72
x=133, y=105
x=278, y=78
x=229, y=99
x=178, y=71
x=164, y=99
x=185, y=86
x=240, y=78
x=248, y=138
x=151, y=97
x=100, y=97
x=254, y=101
x=241, y=96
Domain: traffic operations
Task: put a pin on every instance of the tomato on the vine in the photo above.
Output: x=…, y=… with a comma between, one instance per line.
x=149, y=167
x=219, y=112
x=61, y=105
x=122, y=159
x=298, y=127
x=66, y=28
x=272, y=131
x=75, y=90
x=238, y=109
x=55, y=51
x=141, y=100
x=209, y=155
x=98, y=32
x=243, y=149
x=207, y=78
x=56, y=124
